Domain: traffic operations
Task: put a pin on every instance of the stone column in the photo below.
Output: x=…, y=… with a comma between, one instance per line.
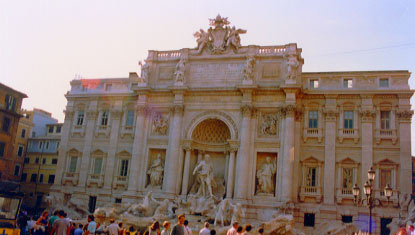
x=173, y=149
x=86, y=152
x=405, y=159
x=329, y=156
x=186, y=170
x=242, y=163
x=288, y=155
x=297, y=140
x=137, y=148
x=111, y=158
x=66, y=130
x=367, y=143
x=231, y=174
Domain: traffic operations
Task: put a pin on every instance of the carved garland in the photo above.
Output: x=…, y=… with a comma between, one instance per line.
x=213, y=113
x=367, y=115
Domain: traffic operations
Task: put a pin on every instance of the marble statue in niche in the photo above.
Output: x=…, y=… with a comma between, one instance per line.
x=265, y=176
x=204, y=177
x=269, y=125
x=180, y=69
x=145, y=71
x=292, y=65
x=248, y=69
x=160, y=124
x=155, y=172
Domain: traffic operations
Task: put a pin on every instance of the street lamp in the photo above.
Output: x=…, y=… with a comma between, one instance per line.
x=370, y=201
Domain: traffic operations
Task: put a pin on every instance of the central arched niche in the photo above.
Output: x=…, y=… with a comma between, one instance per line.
x=211, y=137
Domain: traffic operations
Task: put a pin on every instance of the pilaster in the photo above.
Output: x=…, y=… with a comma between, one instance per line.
x=405, y=159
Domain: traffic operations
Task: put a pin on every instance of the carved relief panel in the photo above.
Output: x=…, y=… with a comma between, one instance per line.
x=160, y=124
x=271, y=71
x=155, y=168
x=268, y=124
x=265, y=176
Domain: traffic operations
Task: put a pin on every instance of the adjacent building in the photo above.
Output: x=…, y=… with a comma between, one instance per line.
x=10, y=164
x=273, y=132
x=40, y=165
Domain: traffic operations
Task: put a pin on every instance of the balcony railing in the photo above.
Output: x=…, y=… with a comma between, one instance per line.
x=313, y=133
x=97, y=179
x=120, y=181
x=345, y=133
x=103, y=130
x=311, y=192
x=386, y=134
x=78, y=129
x=70, y=177
x=127, y=131
x=344, y=193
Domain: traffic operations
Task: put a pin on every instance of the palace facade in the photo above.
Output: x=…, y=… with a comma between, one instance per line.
x=273, y=132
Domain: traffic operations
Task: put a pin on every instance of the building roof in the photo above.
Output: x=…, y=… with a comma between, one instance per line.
x=23, y=95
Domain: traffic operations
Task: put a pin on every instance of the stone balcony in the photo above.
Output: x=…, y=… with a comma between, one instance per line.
x=344, y=194
x=120, y=182
x=127, y=131
x=95, y=179
x=348, y=134
x=311, y=192
x=386, y=134
x=70, y=177
x=78, y=130
x=104, y=130
x=313, y=133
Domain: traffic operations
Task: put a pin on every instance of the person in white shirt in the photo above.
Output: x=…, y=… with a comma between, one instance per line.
x=187, y=230
x=233, y=230
x=205, y=230
x=166, y=226
x=113, y=228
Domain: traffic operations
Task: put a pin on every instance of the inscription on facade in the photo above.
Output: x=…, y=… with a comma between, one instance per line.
x=229, y=71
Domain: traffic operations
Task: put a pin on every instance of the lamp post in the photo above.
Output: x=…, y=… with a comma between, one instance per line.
x=370, y=201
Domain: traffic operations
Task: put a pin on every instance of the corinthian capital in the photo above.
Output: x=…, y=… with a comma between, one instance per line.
x=177, y=109
x=404, y=115
x=247, y=110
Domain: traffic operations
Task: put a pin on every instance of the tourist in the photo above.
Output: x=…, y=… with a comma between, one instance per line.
x=261, y=231
x=247, y=229
x=205, y=230
x=154, y=229
x=30, y=223
x=53, y=218
x=92, y=226
x=113, y=228
x=166, y=226
x=99, y=229
x=79, y=231
x=131, y=230
x=22, y=222
x=41, y=224
x=232, y=231
x=239, y=230
x=60, y=226
x=178, y=229
x=187, y=230
x=212, y=232
x=122, y=230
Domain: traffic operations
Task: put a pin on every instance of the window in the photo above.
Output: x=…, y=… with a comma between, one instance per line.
x=118, y=200
x=309, y=219
x=6, y=124
x=385, y=178
x=384, y=82
x=347, y=181
x=37, y=160
x=311, y=177
x=347, y=83
x=385, y=119
x=41, y=178
x=57, y=145
x=312, y=119
x=80, y=119
x=23, y=133
x=97, y=165
x=72, y=164
x=51, y=179
x=130, y=118
x=33, y=134
x=2, y=148
x=24, y=177
x=20, y=150
x=26, y=160
x=92, y=203
x=50, y=129
x=40, y=145
x=44, y=161
x=47, y=144
x=124, y=167
x=33, y=178
x=16, y=170
x=10, y=102
x=108, y=87
x=54, y=161
x=58, y=129
x=104, y=118
x=313, y=83
x=347, y=219
x=348, y=119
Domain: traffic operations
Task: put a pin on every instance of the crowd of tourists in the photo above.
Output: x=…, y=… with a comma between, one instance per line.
x=60, y=224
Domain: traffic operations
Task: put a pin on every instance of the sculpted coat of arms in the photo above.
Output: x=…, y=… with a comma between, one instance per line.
x=219, y=37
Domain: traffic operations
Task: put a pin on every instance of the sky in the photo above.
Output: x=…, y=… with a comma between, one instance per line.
x=45, y=44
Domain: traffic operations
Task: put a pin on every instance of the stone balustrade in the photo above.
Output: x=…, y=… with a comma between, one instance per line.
x=97, y=179
x=70, y=177
x=120, y=181
x=345, y=133
x=164, y=55
x=386, y=134
x=311, y=192
x=313, y=133
x=271, y=50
